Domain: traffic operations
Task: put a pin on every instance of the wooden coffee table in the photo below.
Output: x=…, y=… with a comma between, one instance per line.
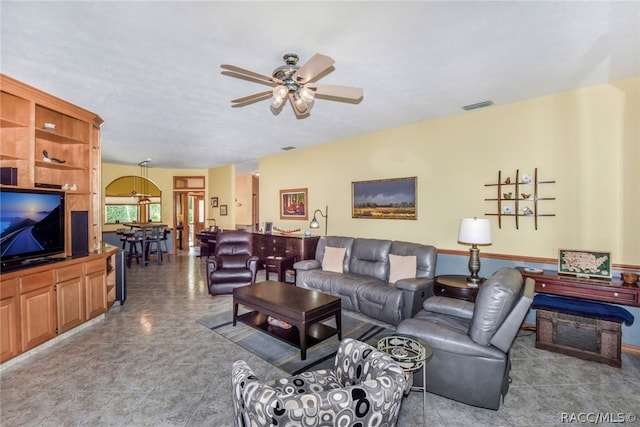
x=302, y=308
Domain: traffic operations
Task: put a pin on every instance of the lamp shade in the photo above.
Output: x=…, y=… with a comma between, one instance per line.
x=475, y=231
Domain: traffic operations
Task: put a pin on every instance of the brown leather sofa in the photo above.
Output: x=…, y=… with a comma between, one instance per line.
x=233, y=263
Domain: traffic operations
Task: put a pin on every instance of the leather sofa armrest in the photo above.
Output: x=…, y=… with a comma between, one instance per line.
x=213, y=263
x=415, y=284
x=450, y=307
x=252, y=264
x=309, y=264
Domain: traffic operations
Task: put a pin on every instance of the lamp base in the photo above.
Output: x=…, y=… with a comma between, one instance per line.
x=474, y=282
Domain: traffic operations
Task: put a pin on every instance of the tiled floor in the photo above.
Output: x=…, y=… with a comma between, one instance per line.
x=149, y=363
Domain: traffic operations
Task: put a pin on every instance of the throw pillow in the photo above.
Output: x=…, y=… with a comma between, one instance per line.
x=333, y=259
x=402, y=267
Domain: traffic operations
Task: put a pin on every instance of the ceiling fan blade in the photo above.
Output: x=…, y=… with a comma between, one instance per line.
x=250, y=73
x=332, y=91
x=301, y=112
x=247, y=78
x=315, y=66
x=253, y=98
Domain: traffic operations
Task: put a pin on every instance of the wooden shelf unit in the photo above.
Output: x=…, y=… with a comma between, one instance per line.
x=40, y=302
x=71, y=134
x=516, y=186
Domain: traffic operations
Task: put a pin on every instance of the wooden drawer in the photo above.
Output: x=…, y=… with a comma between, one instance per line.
x=95, y=266
x=616, y=295
x=35, y=281
x=69, y=272
x=9, y=288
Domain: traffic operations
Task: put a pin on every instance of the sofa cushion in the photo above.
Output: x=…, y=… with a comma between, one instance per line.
x=401, y=267
x=381, y=301
x=426, y=256
x=370, y=257
x=496, y=297
x=335, y=242
x=333, y=259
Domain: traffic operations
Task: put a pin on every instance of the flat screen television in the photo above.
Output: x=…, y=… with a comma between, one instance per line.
x=32, y=225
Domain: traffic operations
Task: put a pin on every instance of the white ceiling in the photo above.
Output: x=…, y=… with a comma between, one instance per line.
x=151, y=70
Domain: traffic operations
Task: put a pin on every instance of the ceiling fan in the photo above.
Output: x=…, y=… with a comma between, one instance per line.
x=295, y=83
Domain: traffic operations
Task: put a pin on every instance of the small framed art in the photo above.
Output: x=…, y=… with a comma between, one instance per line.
x=214, y=202
x=223, y=210
x=293, y=204
x=585, y=263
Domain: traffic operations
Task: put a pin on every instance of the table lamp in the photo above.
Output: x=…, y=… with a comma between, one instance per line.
x=476, y=232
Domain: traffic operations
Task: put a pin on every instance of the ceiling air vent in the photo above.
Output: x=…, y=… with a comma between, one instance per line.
x=288, y=147
x=477, y=105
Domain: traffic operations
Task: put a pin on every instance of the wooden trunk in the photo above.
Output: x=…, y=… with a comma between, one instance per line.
x=588, y=338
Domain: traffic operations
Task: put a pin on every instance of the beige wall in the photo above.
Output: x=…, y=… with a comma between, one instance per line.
x=588, y=141
x=221, y=182
x=243, y=199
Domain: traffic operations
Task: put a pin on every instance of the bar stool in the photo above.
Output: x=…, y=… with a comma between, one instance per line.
x=156, y=243
x=133, y=239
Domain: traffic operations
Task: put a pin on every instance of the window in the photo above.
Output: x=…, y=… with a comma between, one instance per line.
x=115, y=213
x=122, y=198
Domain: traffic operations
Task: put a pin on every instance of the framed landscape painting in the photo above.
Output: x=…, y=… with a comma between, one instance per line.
x=293, y=204
x=384, y=199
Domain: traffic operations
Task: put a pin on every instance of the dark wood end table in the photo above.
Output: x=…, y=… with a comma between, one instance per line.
x=302, y=308
x=279, y=265
x=455, y=286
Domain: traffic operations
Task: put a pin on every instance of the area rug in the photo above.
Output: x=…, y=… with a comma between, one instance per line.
x=285, y=356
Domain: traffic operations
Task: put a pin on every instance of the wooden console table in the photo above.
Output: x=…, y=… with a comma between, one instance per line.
x=612, y=291
x=299, y=246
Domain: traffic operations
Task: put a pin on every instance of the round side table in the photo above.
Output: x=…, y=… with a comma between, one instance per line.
x=455, y=286
x=411, y=354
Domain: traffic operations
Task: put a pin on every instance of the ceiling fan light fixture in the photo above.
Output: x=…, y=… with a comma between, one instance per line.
x=276, y=102
x=280, y=91
x=295, y=84
x=307, y=95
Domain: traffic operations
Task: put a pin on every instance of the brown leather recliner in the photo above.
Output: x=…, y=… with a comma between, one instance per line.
x=233, y=264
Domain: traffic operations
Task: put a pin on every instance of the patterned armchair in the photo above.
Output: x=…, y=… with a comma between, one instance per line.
x=365, y=385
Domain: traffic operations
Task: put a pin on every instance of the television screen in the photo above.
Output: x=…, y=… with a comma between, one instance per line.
x=32, y=224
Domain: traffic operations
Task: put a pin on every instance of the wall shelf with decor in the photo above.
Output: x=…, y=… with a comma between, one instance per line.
x=519, y=197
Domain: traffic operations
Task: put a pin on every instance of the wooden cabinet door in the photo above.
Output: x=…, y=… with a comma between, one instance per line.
x=95, y=293
x=70, y=304
x=9, y=320
x=38, y=316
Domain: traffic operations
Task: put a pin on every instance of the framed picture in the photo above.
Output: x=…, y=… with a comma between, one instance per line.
x=268, y=227
x=223, y=210
x=384, y=199
x=214, y=202
x=584, y=263
x=293, y=204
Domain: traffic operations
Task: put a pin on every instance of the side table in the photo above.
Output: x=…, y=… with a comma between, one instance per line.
x=279, y=265
x=455, y=286
x=411, y=354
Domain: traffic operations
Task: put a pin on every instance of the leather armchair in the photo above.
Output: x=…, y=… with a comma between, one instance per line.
x=365, y=387
x=471, y=342
x=232, y=265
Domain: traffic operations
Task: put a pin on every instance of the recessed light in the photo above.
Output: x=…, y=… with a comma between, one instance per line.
x=477, y=105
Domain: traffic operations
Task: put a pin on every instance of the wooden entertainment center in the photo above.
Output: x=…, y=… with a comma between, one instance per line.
x=48, y=143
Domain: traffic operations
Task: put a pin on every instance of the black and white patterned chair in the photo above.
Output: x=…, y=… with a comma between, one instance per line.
x=365, y=386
